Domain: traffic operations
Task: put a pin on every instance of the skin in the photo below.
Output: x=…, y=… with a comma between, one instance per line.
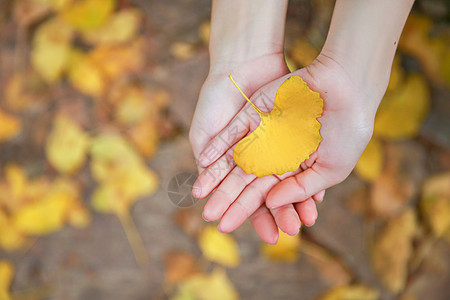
x=351, y=74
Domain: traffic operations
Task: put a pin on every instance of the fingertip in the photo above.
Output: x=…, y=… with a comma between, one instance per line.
x=273, y=240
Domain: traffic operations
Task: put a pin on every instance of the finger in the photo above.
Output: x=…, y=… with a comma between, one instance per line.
x=264, y=224
x=210, y=178
x=226, y=194
x=297, y=188
x=251, y=198
x=319, y=196
x=307, y=211
x=287, y=219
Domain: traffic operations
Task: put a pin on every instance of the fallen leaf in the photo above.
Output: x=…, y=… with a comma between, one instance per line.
x=392, y=250
x=435, y=203
x=351, y=292
x=10, y=126
x=370, y=164
x=10, y=237
x=67, y=145
x=219, y=247
x=120, y=28
x=179, y=266
x=6, y=277
x=401, y=113
x=86, y=15
x=145, y=137
x=330, y=266
x=182, y=50
x=286, y=136
x=214, y=286
x=51, y=48
x=25, y=91
x=286, y=250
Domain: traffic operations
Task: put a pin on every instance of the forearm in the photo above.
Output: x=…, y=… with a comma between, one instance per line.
x=363, y=38
x=244, y=30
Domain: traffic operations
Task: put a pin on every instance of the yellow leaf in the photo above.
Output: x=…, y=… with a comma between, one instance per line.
x=370, y=164
x=435, y=203
x=120, y=28
x=122, y=175
x=214, y=286
x=351, y=292
x=51, y=48
x=10, y=126
x=25, y=90
x=401, y=113
x=182, y=50
x=145, y=137
x=303, y=53
x=86, y=15
x=6, y=276
x=67, y=145
x=10, y=237
x=133, y=106
x=85, y=75
x=392, y=249
x=55, y=4
x=179, y=266
x=48, y=214
x=286, y=136
x=218, y=247
x=286, y=250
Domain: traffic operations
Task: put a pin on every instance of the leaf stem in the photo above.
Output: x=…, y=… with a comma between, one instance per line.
x=246, y=98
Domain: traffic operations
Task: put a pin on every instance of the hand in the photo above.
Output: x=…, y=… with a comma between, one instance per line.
x=218, y=104
x=347, y=126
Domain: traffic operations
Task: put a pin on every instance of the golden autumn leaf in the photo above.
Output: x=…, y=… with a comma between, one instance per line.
x=121, y=27
x=67, y=145
x=10, y=126
x=182, y=50
x=286, y=136
x=370, y=164
x=179, y=266
x=213, y=286
x=6, y=277
x=10, y=237
x=392, y=250
x=435, y=203
x=351, y=292
x=25, y=91
x=145, y=137
x=402, y=112
x=287, y=248
x=218, y=247
x=51, y=48
x=121, y=173
x=86, y=15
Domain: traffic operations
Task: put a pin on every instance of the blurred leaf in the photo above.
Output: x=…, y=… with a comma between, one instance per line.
x=351, y=292
x=179, y=266
x=122, y=175
x=67, y=145
x=10, y=126
x=214, y=286
x=10, y=237
x=25, y=91
x=6, y=277
x=145, y=137
x=86, y=15
x=219, y=247
x=26, y=12
x=328, y=265
x=392, y=250
x=402, y=112
x=286, y=250
x=51, y=48
x=432, y=52
x=182, y=50
x=435, y=203
x=370, y=164
x=303, y=53
x=121, y=27
x=49, y=213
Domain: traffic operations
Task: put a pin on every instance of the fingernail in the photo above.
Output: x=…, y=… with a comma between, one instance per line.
x=218, y=228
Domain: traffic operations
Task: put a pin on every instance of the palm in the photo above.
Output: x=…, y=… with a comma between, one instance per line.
x=346, y=131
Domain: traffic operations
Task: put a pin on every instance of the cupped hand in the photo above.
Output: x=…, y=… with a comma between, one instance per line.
x=347, y=126
x=218, y=105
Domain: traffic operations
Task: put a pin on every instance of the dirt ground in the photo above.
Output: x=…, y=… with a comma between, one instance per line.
x=97, y=263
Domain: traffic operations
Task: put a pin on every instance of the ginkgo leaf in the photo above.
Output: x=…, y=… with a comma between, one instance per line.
x=219, y=247
x=351, y=292
x=67, y=145
x=86, y=15
x=6, y=277
x=10, y=126
x=286, y=250
x=214, y=286
x=401, y=113
x=370, y=164
x=51, y=48
x=287, y=135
